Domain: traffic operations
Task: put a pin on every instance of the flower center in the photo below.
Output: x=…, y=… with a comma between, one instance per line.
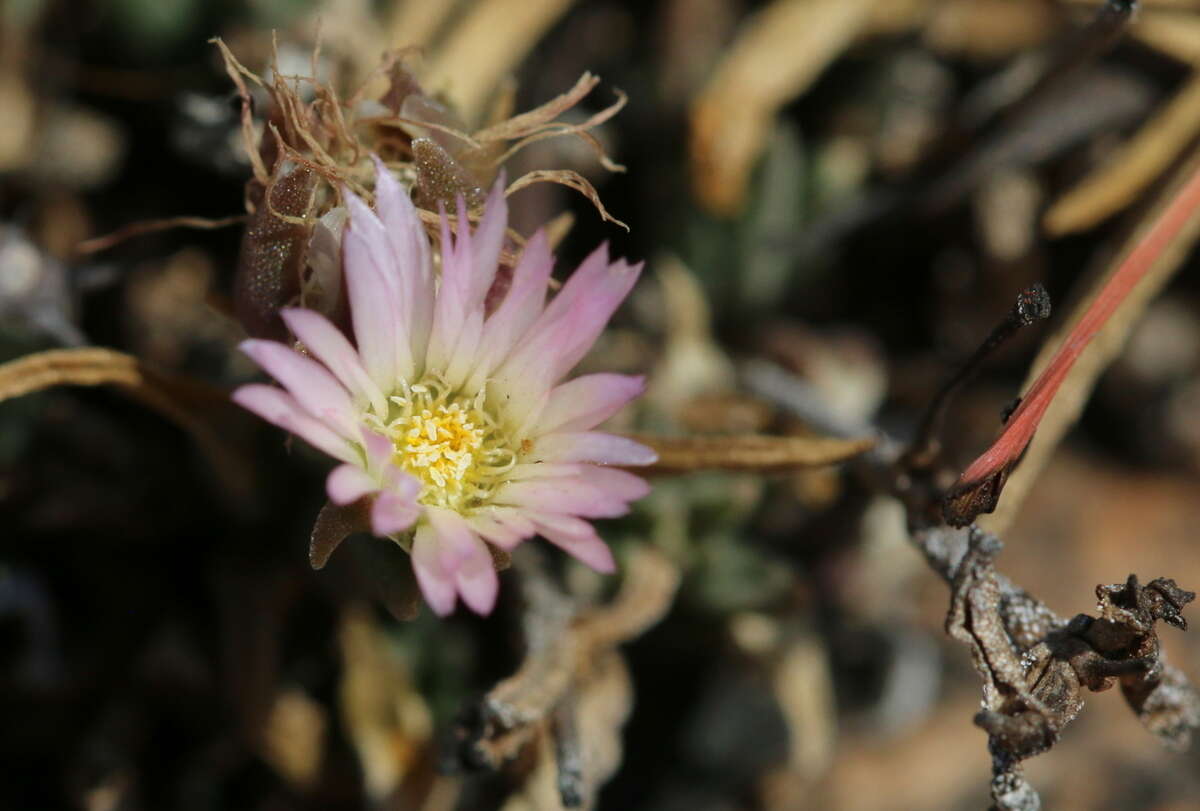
x=450, y=442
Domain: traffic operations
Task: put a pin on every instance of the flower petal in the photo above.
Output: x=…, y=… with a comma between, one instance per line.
x=395, y=510
x=346, y=484
x=487, y=241
x=522, y=304
x=477, y=580
x=454, y=537
x=565, y=331
x=280, y=408
x=315, y=389
x=325, y=256
x=569, y=495
x=411, y=255
x=373, y=287
x=576, y=537
x=587, y=401
x=496, y=532
x=436, y=583
x=464, y=356
x=332, y=348
x=591, y=446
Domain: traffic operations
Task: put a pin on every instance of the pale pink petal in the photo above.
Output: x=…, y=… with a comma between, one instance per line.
x=576, y=537
x=526, y=295
x=493, y=530
x=573, y=496
x=537, y=470
x=464, y=356
x=455, y=538
x=331, y=347
x=373, y=285
x=587, y=401
x=514, y=520
x=596, y=299
x=436, y=583
x=591, y=446
x=379, y=451
x=346, y=484
x=450, y=307
x=476, y=578
x=487, y=242
x=280, y=408
x=566, y=330
x=394, y=510
x=518, y=309
x=325, y=256
x=619, y=483
x=315, y=389
x=411, y=255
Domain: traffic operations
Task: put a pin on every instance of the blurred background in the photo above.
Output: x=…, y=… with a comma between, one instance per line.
x=836, y=199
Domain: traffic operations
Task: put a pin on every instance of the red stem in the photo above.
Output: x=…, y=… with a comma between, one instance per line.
x=1024, y=421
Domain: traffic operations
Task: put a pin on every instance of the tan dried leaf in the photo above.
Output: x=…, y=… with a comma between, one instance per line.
x=776, y=56
x=1120, y=181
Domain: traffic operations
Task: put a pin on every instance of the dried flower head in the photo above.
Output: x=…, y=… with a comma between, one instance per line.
x=446, y=411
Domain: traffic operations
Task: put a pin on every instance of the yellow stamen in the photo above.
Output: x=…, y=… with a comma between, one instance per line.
x=450, y=442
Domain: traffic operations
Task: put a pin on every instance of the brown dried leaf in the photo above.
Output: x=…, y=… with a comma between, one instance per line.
x=528, y=122
x=749, y=452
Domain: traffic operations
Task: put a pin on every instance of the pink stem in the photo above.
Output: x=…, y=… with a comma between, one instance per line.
x=1024, y=421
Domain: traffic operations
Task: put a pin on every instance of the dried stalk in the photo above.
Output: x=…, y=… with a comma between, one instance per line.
x=749, y=452
x=181, y=401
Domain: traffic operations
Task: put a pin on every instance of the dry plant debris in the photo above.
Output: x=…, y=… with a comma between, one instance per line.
x=1035, y=666
x=563, y=709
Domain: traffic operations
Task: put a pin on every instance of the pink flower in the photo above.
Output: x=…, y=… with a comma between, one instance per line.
x=448, y=416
